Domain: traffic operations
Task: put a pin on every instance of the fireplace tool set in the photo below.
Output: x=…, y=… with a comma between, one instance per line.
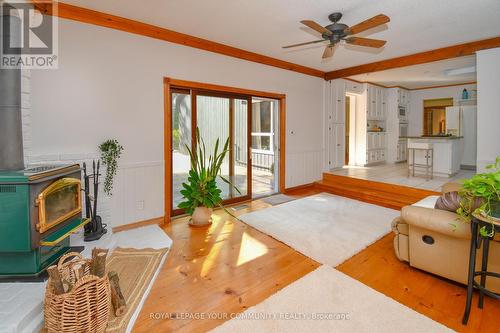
x=95, y=229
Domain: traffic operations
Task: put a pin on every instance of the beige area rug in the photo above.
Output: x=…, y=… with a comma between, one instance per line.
x=136, y=268
x=327, y=228
x=327, y=300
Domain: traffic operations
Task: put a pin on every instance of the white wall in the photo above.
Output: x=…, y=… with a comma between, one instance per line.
x=110, y=85
x=416, y=107
x=488, y=107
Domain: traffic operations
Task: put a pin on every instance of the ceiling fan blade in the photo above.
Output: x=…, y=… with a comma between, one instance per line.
x=328, y=52
x=368, y=24
x=306, y=43
x=369, y=42
x=315, y=26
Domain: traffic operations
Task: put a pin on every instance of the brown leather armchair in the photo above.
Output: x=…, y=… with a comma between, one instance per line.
x=438, y=241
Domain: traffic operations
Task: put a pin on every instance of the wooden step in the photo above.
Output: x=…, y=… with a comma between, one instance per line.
x=382, y=194
x=359, y=195
x=407, y=191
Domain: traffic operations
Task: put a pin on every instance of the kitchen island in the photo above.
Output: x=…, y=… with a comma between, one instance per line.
x=448, y=151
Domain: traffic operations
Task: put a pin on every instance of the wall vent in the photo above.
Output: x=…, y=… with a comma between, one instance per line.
x=7, y=189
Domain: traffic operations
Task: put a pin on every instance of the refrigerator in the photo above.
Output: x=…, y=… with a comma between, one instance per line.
x=462, y=121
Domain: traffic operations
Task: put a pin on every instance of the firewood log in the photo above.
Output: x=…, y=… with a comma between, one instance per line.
x=117, y=298
x=98, y=267
x=77, y=271
x=55, y=279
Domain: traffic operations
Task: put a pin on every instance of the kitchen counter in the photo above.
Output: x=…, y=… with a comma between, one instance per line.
x=448, y=151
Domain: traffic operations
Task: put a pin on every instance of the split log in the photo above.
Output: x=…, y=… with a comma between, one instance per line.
x=117, y=298
x=55, y=279
x=98, y=267
x=77, y=271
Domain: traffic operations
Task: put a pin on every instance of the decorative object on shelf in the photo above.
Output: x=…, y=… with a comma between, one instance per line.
x=201, y=193
x=465, y=94
x=486, y=187
x=111, y=151
x=75, y=299
x=95, y=229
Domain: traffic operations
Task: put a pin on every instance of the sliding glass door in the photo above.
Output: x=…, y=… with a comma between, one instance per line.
x=217, y=117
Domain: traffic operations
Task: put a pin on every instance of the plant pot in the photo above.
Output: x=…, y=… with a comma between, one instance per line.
x=495, y=209
x=202, y=216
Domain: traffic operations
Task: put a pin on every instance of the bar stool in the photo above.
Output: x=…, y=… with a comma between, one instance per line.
x=428, y=150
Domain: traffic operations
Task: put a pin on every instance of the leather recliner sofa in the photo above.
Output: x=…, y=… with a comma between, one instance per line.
x=438, y=241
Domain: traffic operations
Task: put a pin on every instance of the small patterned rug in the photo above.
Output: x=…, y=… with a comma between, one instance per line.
x=135, y=268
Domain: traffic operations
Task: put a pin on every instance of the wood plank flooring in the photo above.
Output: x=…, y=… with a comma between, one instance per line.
x=231, y=266
x=437, y=298
x=221, y=270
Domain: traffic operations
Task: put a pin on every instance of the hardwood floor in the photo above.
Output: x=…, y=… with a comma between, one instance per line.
x=231, y=266
x=437, y=298
x=221, y=270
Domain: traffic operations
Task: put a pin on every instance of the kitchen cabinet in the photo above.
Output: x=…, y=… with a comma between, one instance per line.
x=353, y=87
x=376, y=104
x=337, y=138
x=403, y=97
x=376, y=140
x=402, y=151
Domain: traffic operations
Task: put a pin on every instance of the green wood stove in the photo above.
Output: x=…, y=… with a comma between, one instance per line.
x=39, y=209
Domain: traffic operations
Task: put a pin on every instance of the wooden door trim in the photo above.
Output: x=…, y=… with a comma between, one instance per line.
x=443, y=53
x=169, y=84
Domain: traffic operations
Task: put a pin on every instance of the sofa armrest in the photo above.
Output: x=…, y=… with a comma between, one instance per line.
x=441, y=221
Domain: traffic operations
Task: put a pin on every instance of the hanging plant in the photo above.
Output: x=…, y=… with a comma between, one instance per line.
x=110, y=153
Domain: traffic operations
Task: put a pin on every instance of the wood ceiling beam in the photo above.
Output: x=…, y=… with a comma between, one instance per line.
x=120, y=23
x=417, y=58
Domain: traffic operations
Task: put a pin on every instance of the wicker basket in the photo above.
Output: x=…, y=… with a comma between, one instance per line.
x=85, y=308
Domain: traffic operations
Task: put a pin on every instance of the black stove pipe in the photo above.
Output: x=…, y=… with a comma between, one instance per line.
x=11, y=129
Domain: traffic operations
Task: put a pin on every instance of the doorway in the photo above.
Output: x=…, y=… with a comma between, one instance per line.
x=434, y=123
x=265, y=146
x=250, y=120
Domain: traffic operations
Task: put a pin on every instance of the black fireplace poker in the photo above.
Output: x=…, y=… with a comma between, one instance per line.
x=95, y=229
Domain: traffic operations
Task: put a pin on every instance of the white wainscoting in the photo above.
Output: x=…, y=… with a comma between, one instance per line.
x=304, y=167
x=138, y=193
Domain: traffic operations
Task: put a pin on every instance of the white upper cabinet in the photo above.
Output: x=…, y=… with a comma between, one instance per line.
x=338, y=89
x=403, y=97
x=353, y=87
x=376, y=102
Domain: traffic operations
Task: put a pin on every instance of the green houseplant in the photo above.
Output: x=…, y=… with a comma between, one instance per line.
x=200, y=192
x=111, y=151
x=486, y=188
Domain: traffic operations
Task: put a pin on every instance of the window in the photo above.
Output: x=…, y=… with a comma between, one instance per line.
x=262, y=124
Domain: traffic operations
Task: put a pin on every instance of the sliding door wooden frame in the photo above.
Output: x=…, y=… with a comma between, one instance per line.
x=217, y=91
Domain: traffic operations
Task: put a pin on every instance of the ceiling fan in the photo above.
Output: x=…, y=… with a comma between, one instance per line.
x=336, y=32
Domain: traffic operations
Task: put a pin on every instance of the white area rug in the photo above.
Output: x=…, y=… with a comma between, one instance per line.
x=327, y=228
x=331, y=294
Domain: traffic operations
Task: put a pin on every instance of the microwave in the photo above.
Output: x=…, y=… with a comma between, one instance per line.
x=403, y=130
x=402, y=114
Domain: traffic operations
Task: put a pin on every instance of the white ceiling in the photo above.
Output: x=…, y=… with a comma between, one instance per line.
x=263, y=26
x=424, y=75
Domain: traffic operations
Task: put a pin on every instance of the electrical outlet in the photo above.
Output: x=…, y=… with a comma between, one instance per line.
x=140, y=205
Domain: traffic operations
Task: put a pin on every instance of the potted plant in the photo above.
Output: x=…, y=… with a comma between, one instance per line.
x=483, y=187
x=111, y=151
x=201, y=192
